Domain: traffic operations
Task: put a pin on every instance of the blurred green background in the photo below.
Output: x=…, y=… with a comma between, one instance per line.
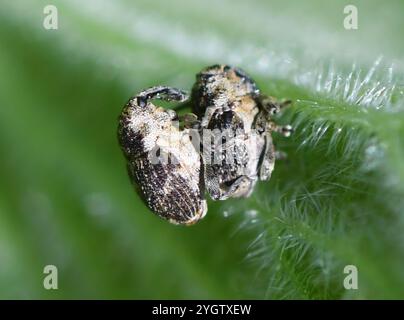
x=66, y=200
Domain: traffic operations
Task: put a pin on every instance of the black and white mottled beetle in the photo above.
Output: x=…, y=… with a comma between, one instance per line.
x=226, y=98
x=170, y=186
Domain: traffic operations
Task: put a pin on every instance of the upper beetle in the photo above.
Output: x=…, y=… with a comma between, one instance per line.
x=225, y=98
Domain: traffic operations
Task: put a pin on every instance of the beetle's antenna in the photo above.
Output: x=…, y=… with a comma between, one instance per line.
x=162, y=93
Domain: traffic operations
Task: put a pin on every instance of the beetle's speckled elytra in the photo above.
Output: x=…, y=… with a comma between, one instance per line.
x=224, y=99
x=171, y=189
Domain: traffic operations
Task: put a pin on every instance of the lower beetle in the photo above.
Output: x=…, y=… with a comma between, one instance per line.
x=162, y=162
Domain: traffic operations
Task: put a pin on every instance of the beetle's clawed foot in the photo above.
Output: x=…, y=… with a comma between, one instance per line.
x=271, y=105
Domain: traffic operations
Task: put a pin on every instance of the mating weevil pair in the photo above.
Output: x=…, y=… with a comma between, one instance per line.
x=226, y=102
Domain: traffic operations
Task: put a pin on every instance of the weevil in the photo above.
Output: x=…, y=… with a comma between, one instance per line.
x=162, y=162
x=171, y=172
x=225, y=98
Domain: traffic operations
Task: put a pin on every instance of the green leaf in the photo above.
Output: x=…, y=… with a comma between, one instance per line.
x=337, y=200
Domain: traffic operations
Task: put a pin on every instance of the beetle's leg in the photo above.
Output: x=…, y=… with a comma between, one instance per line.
x=271, y=105
x=286, y=130
x=269, y=155
x=162, y=93
x=241, y=187
x=267, y=163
